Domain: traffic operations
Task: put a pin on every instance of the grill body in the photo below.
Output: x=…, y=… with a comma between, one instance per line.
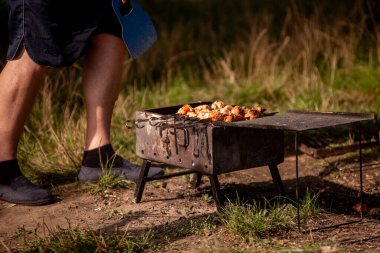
x=205, y=148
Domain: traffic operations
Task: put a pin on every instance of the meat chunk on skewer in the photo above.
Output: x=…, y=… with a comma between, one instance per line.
x=219, y=111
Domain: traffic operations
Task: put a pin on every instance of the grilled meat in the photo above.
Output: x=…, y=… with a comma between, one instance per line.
x=219, y=111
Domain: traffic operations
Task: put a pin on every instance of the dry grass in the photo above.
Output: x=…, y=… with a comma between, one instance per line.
x=283, y=54
x=296, y=56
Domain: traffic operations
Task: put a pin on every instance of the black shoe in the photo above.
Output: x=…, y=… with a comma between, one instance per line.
x=128, y=170
x=22, y=191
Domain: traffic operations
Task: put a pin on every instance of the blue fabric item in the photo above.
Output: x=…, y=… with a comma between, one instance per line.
x=56, y=33
x=138, y=30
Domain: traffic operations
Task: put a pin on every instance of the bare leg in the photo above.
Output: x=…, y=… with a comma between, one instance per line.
x=101, y=80
x=19, y=84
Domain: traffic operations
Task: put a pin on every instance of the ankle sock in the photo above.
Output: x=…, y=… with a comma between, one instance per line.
x=8, y=171
x=102, y=157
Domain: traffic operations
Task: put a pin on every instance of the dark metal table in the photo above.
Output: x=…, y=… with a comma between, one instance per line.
x=301, y=121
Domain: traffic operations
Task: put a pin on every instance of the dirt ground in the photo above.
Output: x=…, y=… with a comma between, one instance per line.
x=170, y=206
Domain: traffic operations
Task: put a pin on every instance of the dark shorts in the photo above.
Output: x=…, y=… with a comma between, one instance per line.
x=55, y=32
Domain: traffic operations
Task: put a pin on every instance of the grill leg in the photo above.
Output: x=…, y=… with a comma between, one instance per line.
x=197, y=180
x=215, y=187
x=140, y=185
x=277, y=179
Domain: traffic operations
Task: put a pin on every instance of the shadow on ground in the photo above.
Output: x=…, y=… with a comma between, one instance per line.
x=337, y=200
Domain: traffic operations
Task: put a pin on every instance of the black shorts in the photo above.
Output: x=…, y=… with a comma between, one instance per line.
x=55, y=32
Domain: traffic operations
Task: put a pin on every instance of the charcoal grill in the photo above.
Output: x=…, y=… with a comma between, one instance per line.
x=215, y=148
x=204, y=148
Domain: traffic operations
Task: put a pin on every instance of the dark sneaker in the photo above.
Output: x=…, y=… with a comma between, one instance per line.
x=128, y=170
x=22, y=191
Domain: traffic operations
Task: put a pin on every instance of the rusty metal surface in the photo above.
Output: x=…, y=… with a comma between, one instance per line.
x=240, y=148
x=185, y=146
x=304, y=120
x=204, y=147
x=219, y=147
x=292, y=120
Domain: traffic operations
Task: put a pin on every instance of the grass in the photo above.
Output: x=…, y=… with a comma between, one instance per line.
x=310, y=247
x=289, y=56
x=75, y=239
x=260, y=219
x=256, y=223
x=310, y=55
x=309, y=206
x=107, y=182
x=252, y=220
x=108, y=179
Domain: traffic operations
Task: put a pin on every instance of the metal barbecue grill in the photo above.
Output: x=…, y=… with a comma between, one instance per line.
x=214, y=148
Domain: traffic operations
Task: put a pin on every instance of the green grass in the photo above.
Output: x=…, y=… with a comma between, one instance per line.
x=293, y=55
x=309, y=206
x=110, y=180
x=257, y=224
x=107, y=182
x=311, y=55
x=260, y=219
x=252, y=220
x=77, y=240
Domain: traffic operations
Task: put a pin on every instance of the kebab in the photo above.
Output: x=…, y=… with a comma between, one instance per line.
x=219, y=111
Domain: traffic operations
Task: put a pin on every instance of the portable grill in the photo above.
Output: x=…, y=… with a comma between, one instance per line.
x=214, y=148
x=204, y=148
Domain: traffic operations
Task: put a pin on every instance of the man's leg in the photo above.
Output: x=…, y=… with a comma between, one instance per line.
x=19, y=84
x=102, y=76
x=20, y=81
x=101, y=80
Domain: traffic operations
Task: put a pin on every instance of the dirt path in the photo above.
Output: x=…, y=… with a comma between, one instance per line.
x=171, y=206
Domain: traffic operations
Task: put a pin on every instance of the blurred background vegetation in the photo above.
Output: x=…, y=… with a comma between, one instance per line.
x=313, y=55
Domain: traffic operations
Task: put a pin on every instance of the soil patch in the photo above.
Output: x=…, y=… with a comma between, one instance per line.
x=182, y=219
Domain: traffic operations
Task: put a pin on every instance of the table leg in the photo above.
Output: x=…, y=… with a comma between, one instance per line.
x=215, y=187
x=361, y=188
x=277, y=179
x=197, y=180
x=361, y=170
x=297, y=185
x=140, y=185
